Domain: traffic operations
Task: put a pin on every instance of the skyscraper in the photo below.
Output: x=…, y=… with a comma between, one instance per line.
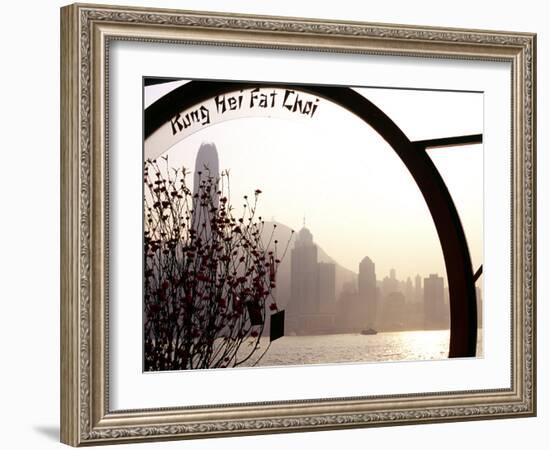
x=409, y=290
x=434, y=316
x=418, y=295
x=327, y=287
x=312, y=304
x=304, y=284
x=367, y=291
x=393, y=312
x=479, y=307
x=390, y=284
x=206, y=166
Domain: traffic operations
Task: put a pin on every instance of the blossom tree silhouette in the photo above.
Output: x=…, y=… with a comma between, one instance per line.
x=209, y=278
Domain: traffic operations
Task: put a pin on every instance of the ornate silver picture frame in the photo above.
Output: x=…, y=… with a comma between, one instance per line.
x=92, y=411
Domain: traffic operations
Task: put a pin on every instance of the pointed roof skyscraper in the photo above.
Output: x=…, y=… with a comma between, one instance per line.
x=206, y=166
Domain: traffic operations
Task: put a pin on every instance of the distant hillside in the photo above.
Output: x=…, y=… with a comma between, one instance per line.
x=282, y=234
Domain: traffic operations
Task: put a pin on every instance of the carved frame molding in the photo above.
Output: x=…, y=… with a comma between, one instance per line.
x=86, y=31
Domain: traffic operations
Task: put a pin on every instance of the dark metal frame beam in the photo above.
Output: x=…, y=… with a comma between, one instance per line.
x=450, y=141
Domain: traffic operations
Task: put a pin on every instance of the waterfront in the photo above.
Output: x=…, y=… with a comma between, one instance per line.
x=357, y=348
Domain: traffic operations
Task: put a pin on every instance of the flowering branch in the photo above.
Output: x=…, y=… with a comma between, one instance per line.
x=208, y=277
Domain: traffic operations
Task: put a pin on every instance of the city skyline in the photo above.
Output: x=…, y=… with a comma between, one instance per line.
x=367, y=303
x=317, y=302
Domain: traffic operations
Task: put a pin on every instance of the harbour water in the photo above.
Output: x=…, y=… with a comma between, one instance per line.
x=357, y=348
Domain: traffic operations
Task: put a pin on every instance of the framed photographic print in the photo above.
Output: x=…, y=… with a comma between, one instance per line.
x=276, y=225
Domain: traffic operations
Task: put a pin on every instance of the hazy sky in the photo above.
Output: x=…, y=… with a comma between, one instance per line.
x=357, y=197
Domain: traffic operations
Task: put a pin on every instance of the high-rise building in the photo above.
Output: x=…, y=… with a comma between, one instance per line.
x=304, y=275
x=479, y=307
x=393, y=312
x=312, y=305
x=206, y=166
x=434, y=305
x=327, y=287
x=409, y=291
x=390, y=284
x=368, y=291
x=418, y=294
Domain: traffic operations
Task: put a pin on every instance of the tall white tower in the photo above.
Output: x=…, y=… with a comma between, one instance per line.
x=206, y=166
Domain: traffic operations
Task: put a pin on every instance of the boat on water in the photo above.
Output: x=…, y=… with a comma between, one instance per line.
x=369, y=331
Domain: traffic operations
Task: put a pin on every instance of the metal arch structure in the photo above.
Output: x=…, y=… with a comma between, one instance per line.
x=462, y=293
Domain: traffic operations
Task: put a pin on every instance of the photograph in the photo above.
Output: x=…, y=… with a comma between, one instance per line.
x=289, y=223
x=299, y=224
